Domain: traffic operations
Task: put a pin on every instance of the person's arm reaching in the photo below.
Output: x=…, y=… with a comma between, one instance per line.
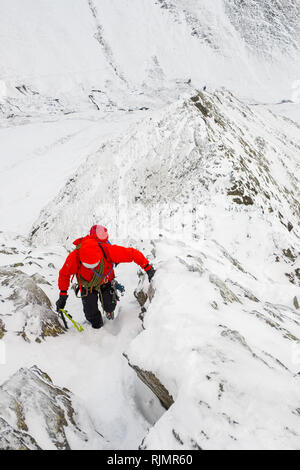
x=120, y=254
x=68, y=269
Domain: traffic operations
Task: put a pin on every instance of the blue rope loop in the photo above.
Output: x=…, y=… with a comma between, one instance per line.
x=101, y=275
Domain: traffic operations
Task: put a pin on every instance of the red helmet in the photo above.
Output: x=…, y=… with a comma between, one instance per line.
x=99, y=232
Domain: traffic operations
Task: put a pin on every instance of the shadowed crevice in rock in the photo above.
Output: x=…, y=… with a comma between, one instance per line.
x=154, y=384
x=144, y=294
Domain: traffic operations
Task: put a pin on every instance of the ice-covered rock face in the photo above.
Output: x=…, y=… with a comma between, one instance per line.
x=36, y=414
x=266, y=25
x=262, y=24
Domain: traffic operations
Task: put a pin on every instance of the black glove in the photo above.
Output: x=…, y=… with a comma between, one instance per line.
x=150, y=273
x=61, y=302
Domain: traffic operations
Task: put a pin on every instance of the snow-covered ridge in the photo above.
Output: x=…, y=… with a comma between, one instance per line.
x=229, y=169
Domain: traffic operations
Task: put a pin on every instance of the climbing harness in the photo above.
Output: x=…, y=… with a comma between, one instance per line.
x=83, y=287
x=98, y=279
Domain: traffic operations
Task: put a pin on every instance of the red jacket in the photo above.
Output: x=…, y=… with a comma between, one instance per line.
x=112, y=254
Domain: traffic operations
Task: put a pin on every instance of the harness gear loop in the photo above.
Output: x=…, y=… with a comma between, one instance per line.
x=97, y=280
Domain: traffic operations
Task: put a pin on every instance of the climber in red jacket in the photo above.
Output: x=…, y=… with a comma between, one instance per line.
x=92, y=262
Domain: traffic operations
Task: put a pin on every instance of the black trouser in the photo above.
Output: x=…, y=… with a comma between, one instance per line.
x=90, y=304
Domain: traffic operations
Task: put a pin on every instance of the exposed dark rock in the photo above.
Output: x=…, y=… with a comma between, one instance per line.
x=227, y=294
x=143, y=293
x=275, y=324
x=141, y=297
x=177, y=437
x=195, y=445
x=2, y=329
x=246, y=200
x=201, y=108
x=289, y=254
x=294, y=276
x=28, y=395
x=4, y=250
x=154, y=384
x=193, y=264
x=245, y=292
x=14, y=439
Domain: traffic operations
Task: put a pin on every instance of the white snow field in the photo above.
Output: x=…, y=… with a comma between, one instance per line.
x=103, y=119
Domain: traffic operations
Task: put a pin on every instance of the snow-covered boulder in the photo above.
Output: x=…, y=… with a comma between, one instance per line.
x=36, y=414
x=24, y=277
x=220, y=349
x=26, y=306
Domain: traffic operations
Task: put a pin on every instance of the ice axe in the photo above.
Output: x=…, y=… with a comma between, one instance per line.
x=76, y=325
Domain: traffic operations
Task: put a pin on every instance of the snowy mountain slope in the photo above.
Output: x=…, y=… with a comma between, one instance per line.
x=38, y=155
x=159, y=44
x=269, y=27
x=101, y=121
x=223, y=170
x=222, y=332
